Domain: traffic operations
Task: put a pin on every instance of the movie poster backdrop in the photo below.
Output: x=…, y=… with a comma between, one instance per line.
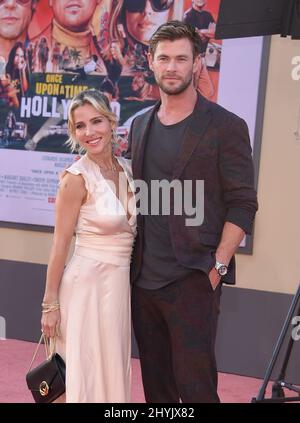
x=51, y=50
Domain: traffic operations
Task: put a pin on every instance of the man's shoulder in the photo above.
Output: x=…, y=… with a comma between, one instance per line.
x=196, y=13
x=206, y=13
x=188, y=13
x=142, y=117
x=218, y=112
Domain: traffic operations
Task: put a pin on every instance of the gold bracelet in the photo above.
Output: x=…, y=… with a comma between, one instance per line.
x=47, y=305
x=48, y=310
x=50, y=305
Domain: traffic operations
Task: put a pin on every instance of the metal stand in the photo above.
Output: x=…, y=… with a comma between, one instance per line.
x=277, y=387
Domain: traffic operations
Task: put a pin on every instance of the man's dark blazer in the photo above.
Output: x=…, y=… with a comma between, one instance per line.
x=216, y=149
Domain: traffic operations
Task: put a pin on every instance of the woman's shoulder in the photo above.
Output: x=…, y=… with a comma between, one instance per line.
x=79, y=167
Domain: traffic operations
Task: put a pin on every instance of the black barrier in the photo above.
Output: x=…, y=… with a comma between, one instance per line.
x=278, y=394
x=258, y=17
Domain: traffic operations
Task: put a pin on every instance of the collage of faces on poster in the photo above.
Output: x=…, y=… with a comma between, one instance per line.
x=52, y=49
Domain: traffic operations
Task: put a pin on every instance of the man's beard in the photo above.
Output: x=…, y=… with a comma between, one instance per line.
x=176, y=89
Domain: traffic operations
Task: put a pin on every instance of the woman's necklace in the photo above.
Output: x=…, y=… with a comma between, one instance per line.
x=113, y=168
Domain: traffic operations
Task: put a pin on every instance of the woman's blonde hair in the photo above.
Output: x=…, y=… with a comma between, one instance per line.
x=117, y=15
x=101, y=103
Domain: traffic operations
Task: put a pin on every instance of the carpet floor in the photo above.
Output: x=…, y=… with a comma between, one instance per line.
x=15, y=357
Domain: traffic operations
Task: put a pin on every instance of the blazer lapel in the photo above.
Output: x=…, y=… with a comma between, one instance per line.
x=141, y=135
x=193, y=134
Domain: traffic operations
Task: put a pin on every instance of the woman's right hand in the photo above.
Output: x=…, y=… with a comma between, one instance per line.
x=22, y=64
x=51, y=323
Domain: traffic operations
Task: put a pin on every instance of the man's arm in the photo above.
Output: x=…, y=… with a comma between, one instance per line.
x=237, y=174
x=232, y=236
x=237, y=179
x=208, y=32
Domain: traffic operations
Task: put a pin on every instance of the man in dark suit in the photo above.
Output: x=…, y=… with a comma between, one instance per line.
x=178, y=264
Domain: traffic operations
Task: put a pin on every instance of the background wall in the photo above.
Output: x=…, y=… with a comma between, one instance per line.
x=275, y=263
x=254, y=311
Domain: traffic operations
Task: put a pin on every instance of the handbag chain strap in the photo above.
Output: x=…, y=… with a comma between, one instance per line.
x=47, y=344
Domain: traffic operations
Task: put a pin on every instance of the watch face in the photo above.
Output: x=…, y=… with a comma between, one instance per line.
x=222, y=270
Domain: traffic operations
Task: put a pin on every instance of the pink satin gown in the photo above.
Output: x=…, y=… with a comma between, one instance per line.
x=94, y=294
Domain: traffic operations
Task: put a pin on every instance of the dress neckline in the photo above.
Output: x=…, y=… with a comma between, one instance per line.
x=119, y=160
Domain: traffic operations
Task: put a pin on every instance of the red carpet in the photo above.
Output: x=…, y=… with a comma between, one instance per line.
x=15, y=357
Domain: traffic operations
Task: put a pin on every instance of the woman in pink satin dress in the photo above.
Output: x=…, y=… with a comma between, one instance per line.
x=87, y=303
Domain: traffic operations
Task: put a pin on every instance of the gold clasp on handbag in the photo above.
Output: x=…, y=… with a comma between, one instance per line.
x=44, y=389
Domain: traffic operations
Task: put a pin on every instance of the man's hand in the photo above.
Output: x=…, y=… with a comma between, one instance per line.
x=214, y=278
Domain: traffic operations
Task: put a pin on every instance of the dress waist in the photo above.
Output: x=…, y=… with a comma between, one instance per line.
x=114, y=249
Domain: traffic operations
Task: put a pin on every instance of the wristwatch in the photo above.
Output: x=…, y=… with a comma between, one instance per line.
x=221, y=268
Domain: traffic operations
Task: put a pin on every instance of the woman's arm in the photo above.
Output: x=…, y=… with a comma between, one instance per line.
x=23, y=76
x=70, y=197
x=25, y=83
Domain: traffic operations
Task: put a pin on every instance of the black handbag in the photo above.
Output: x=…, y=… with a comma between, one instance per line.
x=47, y=381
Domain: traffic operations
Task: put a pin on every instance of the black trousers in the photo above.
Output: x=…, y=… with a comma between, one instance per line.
x=175, y=328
